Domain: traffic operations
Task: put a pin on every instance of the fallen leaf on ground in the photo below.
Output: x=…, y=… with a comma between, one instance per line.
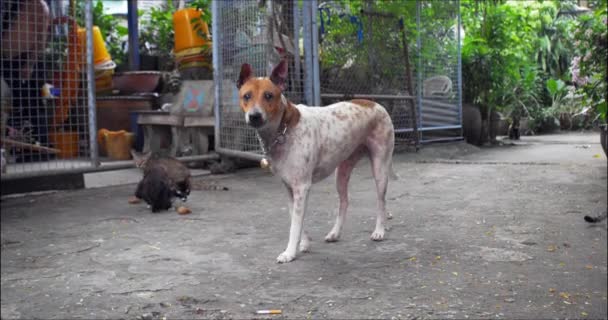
x=412, y=259
x=597, y=155
x=564, y=295
x=589, y=267
x=551, y=289
x=584, y=314
x=551, y=248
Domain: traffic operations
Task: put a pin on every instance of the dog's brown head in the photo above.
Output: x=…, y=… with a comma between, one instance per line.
x=260, y=98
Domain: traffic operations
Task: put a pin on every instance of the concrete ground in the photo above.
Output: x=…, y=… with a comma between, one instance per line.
x=477, y=233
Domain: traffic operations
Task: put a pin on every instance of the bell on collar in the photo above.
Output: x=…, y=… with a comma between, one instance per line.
x=264, y=163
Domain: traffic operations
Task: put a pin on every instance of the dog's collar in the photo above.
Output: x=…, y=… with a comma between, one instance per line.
x=279, y=139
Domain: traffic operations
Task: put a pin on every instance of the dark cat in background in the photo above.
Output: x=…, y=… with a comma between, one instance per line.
x=164, y=178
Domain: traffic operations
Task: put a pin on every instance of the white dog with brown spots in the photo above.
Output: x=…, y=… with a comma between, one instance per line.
x=306, y=144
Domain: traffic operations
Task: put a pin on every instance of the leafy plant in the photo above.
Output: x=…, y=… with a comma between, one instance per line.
x=156, y=33
x=589, y=66
x=499, y=72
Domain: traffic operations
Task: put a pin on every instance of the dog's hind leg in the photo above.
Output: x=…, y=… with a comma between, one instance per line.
x=343, y=172
x=381, y=151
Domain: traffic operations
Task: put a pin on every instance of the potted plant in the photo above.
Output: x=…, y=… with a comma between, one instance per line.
x=156, y=38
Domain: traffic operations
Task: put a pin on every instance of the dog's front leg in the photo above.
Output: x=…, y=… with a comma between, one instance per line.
x=304, y=239
x=298, y=208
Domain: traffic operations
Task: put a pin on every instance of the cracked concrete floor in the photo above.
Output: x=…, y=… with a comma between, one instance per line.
x=490, y=233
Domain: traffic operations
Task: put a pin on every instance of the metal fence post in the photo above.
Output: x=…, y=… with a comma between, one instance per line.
x=217, y=69
x=316, y=83
x=459, y=67
x=132, y=19
x=419, y=66
x=92, y=110
x=307, y=10
x=297, y=12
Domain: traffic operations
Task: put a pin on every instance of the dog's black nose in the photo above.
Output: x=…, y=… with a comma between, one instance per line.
x=256, y=119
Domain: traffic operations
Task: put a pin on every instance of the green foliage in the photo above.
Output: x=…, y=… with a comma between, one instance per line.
x=156, y=33
x=589, y=66
x=555, y=87
x=205, y=19
x=517, y=58
x=498, y=66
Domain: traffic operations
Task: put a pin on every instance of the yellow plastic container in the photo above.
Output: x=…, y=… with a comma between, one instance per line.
x=118, y=144
x=100, y=53
x=66, y=142
x=185, y=36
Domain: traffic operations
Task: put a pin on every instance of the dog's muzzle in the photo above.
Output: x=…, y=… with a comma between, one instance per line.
x=255, y=119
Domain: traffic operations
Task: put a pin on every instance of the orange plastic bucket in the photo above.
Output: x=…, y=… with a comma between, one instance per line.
x=118, y=144
x=100, y=53
x=185, y=35
x=66, y=142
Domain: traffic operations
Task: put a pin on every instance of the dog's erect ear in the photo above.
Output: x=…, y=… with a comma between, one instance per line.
x=279, y=75
x=246, y=73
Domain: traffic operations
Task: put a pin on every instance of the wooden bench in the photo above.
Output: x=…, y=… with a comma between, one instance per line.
x=161, y=128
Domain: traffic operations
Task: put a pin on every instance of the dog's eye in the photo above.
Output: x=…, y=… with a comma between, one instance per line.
x=268, y=95
x=247, y=96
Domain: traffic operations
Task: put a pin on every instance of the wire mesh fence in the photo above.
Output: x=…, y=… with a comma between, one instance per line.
x=45, y=124
x=438, y=65
x=367, y=52
x=260, y=33
x=403, y=54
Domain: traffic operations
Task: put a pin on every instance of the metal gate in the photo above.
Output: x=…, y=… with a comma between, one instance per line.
x=48, y=118
x=259, y=33
x=403, y=54
x=438, y=65
x=366, y=53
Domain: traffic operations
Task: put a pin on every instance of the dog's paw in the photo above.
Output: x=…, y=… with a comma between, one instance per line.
x=285, y=257
x=134, y=200
x=332, y=236
x=304, y=244
x=377, y=235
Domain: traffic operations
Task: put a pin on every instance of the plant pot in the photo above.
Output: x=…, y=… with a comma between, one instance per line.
x=471, y=124
x=148, y=62
x=604, y=138
x=493, y=129
x=524, y=126
x=136, y=82
x=565, y=121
